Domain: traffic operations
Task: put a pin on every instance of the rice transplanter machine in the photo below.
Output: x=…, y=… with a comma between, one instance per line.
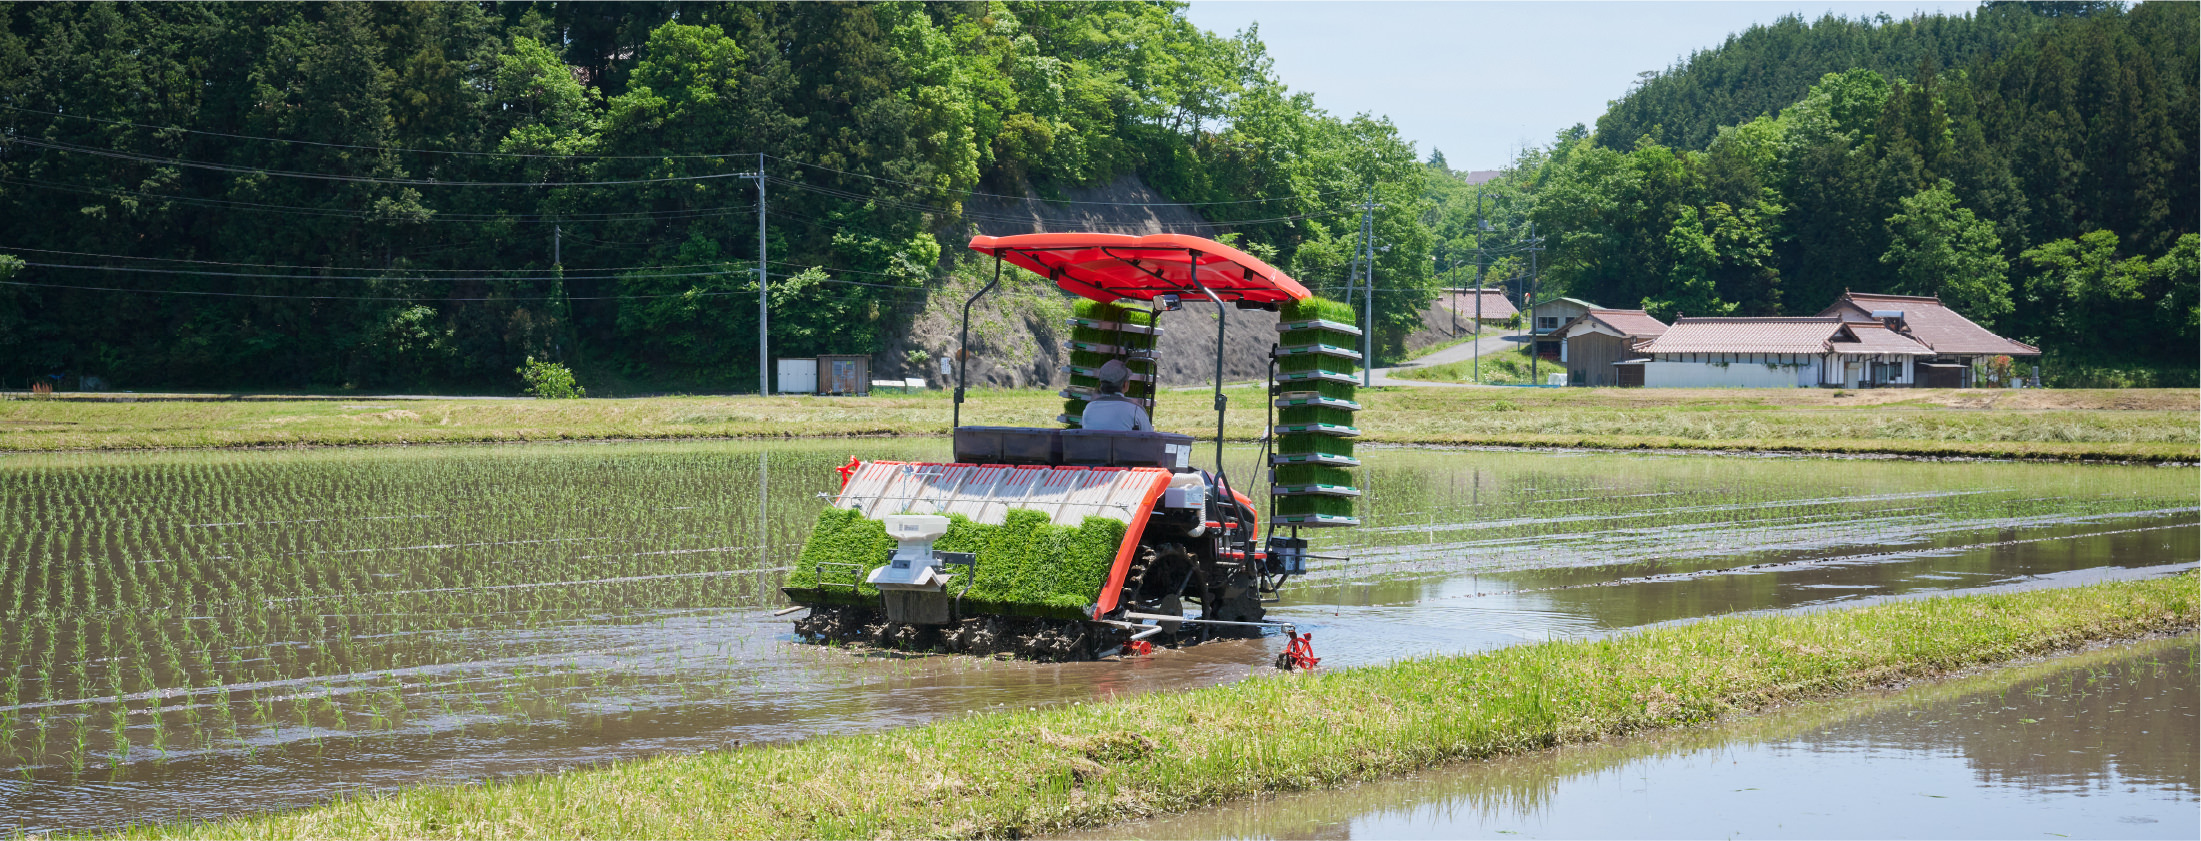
x=1072, y=543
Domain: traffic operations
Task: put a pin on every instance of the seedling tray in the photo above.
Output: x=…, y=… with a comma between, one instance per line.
x=1294, y=399
x=1317, y=429
x=1315, y=490
x=1318, y=324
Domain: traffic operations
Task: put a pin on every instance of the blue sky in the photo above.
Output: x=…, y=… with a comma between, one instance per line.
x=1480, y=79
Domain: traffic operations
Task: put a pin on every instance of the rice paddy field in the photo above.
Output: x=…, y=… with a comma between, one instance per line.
x=202, y=634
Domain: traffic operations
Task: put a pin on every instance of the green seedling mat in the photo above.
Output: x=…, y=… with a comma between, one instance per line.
x=1335, y=506
x=1291, y=338
x=1027, y=566
x=1312, y=474
x=1315, y=414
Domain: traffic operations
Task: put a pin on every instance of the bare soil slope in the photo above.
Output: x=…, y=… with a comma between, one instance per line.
x=1017, y=330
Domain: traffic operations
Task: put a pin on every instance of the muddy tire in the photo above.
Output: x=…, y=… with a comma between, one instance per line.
x=1237, y=599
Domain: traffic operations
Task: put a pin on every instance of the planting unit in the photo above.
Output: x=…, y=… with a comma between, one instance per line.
x=1079, y=543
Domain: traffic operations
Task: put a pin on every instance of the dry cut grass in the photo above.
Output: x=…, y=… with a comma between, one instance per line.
x=2118, y=425
x=1019, y=774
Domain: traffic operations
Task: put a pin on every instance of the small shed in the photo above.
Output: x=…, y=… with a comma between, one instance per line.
x=1593, y=343
x=798, y=376
x=847, y=375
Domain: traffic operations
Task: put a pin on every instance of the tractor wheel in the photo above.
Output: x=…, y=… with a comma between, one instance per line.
x=1236, y=599
x=1150, y=584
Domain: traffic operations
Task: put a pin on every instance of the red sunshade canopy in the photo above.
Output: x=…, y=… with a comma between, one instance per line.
x=1108, y=267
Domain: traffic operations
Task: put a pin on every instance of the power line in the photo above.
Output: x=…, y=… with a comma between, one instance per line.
x=356, y=179
x=7, y=248
x=1051, y=201
x=1042, y=220
x=699, y=156
x=437, y=216
x=711, y=294
x=395, y=275
x=356, y=146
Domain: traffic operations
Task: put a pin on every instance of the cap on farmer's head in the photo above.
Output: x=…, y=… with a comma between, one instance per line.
x=1114, y=373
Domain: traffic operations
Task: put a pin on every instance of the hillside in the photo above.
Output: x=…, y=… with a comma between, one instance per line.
x=2034, y=165
x=418, y=197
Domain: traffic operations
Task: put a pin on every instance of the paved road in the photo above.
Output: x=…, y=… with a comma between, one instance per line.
x=1491, y=344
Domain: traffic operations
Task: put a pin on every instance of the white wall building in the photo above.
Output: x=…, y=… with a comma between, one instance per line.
x=1779, y=353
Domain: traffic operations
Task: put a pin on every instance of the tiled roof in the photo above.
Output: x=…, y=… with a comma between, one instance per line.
x=1633, y=323
x=1495, y=305
x=1576, y=301
x=1745, y=335
x=1874, y=337
x=1931, y=323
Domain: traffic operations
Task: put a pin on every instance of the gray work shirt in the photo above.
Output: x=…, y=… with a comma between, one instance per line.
x=1116, y=413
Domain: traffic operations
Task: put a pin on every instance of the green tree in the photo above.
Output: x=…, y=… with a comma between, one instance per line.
x=2082, y=288
x=1940, y=248
x=1689, y=287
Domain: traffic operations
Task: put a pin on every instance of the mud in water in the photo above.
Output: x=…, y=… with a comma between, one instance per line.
x=191, y=635
x=2096, y=745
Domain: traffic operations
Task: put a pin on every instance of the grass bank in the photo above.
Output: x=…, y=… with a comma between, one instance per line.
x=2154, y=425
x=1018, y=774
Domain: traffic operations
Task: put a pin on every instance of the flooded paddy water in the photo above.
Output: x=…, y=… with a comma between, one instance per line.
x=2096, y=745
x=192, y=635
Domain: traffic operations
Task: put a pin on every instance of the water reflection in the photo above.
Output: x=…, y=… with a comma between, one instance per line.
x=2096, y=745
x=200, y=634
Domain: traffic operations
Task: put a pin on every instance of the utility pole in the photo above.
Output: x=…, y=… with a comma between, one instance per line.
x=1535, y=287
x=764, y=283
x=1368, y=288
x=1482, y=230
x=557, y=243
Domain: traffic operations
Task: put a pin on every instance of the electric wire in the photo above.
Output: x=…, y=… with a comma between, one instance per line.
x=698, y=156
x=569, y=275
x=1052, y=201
x=435, y=217
x=356, y=179
x=417, y=299
x=368, y=148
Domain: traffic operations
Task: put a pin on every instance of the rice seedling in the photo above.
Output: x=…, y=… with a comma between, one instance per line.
x=224, y=604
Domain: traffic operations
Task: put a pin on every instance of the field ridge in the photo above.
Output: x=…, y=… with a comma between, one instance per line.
x=1017, y=774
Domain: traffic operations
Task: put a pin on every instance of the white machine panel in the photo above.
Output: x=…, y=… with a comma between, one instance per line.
x=1067, y=495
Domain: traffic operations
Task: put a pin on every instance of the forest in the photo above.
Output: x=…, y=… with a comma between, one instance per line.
x=422, y=196
x=425, y=195
x=2033, y=164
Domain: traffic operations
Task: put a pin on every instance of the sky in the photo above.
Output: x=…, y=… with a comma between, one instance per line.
x=1480, y=80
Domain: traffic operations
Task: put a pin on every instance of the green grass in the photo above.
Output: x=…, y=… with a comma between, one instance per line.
x=1027, y=566
x=1026, y=773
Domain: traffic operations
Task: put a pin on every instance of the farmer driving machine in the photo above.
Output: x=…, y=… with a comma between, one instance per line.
x=1073, y=543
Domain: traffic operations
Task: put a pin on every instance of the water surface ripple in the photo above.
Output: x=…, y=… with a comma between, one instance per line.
x=193, y=635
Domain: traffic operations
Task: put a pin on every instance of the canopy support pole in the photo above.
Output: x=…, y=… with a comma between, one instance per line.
x=963, y=343
x=1222, y=319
